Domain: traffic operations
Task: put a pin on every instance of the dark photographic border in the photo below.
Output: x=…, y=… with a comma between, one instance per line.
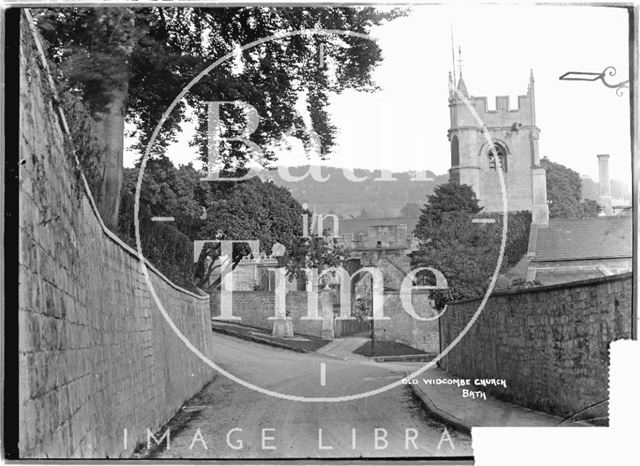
x=9, y=176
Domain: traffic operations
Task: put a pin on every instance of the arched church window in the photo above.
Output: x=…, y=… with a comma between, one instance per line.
x=455, y=152
x=499, y=151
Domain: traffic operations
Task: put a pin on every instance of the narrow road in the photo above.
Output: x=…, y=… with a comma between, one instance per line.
x=236, y=422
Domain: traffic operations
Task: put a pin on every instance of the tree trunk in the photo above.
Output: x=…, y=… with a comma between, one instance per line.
x=110, y=135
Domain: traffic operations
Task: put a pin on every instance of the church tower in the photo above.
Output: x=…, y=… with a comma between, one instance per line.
x=514, y=149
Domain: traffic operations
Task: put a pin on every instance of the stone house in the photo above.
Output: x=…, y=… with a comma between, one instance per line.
x=393, y=233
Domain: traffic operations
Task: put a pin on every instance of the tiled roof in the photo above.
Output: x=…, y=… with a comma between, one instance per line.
x=589, y=238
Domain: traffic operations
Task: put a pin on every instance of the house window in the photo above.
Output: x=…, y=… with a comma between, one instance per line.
x=499, y=151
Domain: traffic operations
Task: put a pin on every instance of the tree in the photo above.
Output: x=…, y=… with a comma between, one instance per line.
x=95, y=59
x=446, y=199
x=255, y=209
x=252, y=210
x=446, y=242
x=590, y=208
x=619, y=190
x=130, y=63
x=163, y=244
x=564, y=192
x=312, y=252
x=166, y=191
x=249, y=210
x=464, y=252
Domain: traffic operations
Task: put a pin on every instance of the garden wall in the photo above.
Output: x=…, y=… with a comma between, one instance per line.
x=551, y=344
x=255, y=307
x=95, y=355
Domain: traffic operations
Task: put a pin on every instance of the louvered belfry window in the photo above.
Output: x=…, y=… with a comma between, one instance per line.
x=497, y=150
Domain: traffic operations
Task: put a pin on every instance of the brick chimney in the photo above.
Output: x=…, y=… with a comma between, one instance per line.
x=604, y=184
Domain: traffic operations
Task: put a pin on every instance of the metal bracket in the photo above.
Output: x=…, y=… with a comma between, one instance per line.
x=608, y=72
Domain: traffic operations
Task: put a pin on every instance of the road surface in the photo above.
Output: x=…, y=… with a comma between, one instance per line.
x=227, y=420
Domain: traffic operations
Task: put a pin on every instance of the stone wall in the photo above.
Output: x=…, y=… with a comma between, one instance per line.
x=95, y=355
x=404, y=328
x=551, y=344
x=255, y=307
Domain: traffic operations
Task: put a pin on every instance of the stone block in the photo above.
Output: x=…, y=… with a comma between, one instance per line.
x=282, y=328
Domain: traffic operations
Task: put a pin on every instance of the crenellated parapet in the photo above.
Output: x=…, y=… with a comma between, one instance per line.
x=472, y=111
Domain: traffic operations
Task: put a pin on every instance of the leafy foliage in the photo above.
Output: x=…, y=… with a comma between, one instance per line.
x=520, y=283
x=247, y=210
x=564, y=192
x=153, y=52
x=464, y=252
x=313, y=252
x=619, y=190
x=165, y=191
x=166, y=247
x=590, y=208
x=91, y=47
x=251, y=210
x=83, y=139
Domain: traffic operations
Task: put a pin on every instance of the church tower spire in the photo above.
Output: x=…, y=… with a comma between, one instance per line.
x=462, y=87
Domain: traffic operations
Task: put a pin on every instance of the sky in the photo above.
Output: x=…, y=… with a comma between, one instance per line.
x=404, y=125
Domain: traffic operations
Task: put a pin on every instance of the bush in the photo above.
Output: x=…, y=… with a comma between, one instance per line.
x=466, y=253
x=166, y=247
x=520, y=283
x=83, y=140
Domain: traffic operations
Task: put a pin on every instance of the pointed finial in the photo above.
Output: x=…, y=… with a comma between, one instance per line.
x=532, y=94
x=460, y=61
x=531, y=81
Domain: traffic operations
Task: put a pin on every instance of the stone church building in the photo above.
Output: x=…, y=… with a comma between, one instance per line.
x=560, y=250
x=484, y=140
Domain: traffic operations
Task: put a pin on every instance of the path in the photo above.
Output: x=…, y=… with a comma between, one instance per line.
x=343, y=348
x=293, y=428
